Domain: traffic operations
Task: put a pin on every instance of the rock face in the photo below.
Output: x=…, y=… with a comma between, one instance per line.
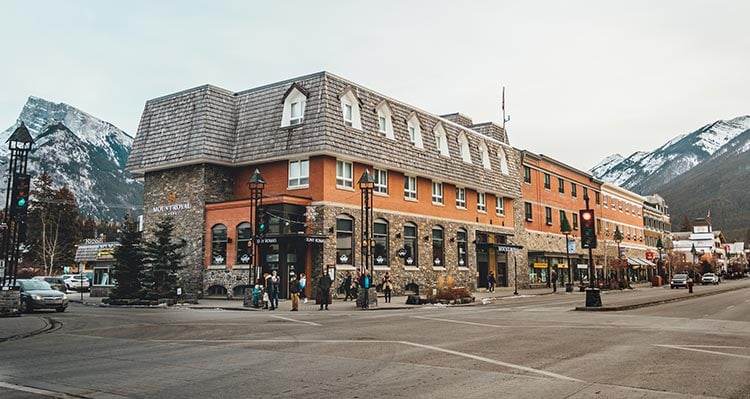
x=81, y=152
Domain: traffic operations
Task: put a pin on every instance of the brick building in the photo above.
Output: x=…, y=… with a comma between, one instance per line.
x=446, y=190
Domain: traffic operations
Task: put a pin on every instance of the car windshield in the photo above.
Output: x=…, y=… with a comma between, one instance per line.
x=680, y=276
x=30, y=285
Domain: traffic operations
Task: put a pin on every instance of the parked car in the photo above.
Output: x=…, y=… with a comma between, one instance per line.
x=710, y=278
x=37, y=294
x=74, y=282
x=56, y=283
x=678, y=280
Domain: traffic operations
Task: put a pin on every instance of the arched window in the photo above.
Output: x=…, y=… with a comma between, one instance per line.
x=244, y=243
x=438, y=247
x=463, y=144
x=350, y=109
x=441, y=140
x=503, y=161
x=380, y=235
x=385, y=120
x=410, y=245
x=415, y=130
x=461, y=248
x=344, y=240
x=219, y=245
x=294, y=106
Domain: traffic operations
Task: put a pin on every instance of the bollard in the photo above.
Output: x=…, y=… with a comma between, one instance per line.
x=690, y=285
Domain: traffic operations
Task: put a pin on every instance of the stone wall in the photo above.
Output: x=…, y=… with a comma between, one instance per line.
x=182, y=193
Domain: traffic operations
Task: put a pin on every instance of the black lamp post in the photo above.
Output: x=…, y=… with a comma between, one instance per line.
x=16, y=201
x=660, y=247
x=565, y=229
x=256, y=184
x=366, y=186
x=618, y=240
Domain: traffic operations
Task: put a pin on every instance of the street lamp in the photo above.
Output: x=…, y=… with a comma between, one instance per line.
x=618, y=239
x=256, y=185
x=565, y=229
x=660, y=247
x=366, y=186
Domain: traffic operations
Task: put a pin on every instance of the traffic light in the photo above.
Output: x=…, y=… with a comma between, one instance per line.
x=20, y=196
x=263, y=219
x=588, y=228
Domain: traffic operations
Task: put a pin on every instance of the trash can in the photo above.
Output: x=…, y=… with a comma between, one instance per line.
x=593, y=298
x=568, y=287
x=656, y=281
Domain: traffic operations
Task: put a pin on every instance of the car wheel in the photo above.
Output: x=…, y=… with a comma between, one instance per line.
x=24, y=308
x=60, y=309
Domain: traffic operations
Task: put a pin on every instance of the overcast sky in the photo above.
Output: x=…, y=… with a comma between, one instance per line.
x=584, y=79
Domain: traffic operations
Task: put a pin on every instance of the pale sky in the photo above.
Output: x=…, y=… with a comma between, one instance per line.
x=584, y=79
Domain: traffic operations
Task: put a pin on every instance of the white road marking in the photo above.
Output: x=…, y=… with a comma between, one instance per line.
x=375, y=341
x=297, y=321
x=34, y=390
x=730, y=306
x=694, y=349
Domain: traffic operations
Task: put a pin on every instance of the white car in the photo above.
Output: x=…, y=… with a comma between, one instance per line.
x=75, y=282
x=710, y=278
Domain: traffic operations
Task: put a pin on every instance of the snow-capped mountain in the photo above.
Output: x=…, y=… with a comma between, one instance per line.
x=81, y=152
x=645, y=172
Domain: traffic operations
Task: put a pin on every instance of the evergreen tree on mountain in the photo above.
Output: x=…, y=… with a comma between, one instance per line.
x=52, y=226
x=128, y=269
x=163, y=259
x=686, y=224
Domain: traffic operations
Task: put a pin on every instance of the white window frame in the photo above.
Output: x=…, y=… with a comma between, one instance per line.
x=460, y=197
x=481, y=202
x=441, y=140
x=293, y=112
x=415, y=131
x=385, y=114
x=381, y=181
x=484, y=152
x=437, y=193
x=463, y=144
x=410, y=187
x=350, y=112
x=499, y=205
x=299, y=173
x=344, y=174
x=503, y=161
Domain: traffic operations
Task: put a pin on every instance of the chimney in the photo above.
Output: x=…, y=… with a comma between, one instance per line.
x=459, y=119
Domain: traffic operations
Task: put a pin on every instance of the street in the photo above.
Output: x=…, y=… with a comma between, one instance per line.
x=527, y=346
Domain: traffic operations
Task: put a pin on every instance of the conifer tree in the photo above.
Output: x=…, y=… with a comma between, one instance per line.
x=163, y=259
x=128, y=268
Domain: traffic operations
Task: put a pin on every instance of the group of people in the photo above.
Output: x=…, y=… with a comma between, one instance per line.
x=268, y=294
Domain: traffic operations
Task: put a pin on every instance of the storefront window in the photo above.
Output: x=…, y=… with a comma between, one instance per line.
x=102, y=277
x=244, y=243
x=410, y=245
x=219, y=245
x=461, y=243
x=344, y=240
x=438, y=249
x=380, y=235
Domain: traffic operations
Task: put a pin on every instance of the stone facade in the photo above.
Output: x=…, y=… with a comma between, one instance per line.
x=182, y=193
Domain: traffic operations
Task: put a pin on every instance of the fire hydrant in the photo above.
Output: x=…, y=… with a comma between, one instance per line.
x=690, y=285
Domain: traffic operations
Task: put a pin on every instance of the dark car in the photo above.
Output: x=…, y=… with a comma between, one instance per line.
x=56, y=283
x=37, y=294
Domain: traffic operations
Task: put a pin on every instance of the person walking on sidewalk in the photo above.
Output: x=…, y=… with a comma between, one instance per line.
x=387, y=286
x=294, y=292
x=553, y=278
x=273, y=290
x=348, y=286
x=365, y=282
x=302, y=285
x=324, y=290
x=491, y=282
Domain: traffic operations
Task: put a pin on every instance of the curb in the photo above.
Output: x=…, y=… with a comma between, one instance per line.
x=654, y=302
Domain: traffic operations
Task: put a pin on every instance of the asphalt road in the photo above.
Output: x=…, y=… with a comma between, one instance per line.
x=517, y=347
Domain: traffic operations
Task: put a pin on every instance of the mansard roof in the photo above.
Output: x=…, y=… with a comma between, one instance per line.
x=208, y=124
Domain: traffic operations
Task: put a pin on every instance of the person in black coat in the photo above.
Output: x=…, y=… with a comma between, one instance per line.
x=324, y=290
x=348, y=286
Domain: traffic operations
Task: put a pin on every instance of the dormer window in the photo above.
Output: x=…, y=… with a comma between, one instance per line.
x=294, y=106
x=350, y=109
x=463, y=145
x=441, y=140
x=385, y=119
x=485, y=154
x=503, y=161
x=414, y=130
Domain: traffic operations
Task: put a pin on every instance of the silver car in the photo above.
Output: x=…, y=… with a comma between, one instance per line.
x=678, y=280
x=37, y=294
x=710, y=278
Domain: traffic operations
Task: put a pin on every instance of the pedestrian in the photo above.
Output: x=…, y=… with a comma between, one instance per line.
x=490, y=282
x=294, y=292
x=365, y=283
x=348, y=286
x=324, y=290
x=553, y=278
x=387, y=286
x=257, y=294
x=302, y=285
x=273, y=290
x=354, y=286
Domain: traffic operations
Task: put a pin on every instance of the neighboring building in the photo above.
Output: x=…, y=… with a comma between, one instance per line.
x=622, y=210
x=657, y=228
x=96, y=258
x=553, y=191
x=703, y=243
x=445, y=188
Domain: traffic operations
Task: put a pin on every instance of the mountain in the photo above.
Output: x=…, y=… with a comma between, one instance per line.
x=696, y=172
x=81, y=152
